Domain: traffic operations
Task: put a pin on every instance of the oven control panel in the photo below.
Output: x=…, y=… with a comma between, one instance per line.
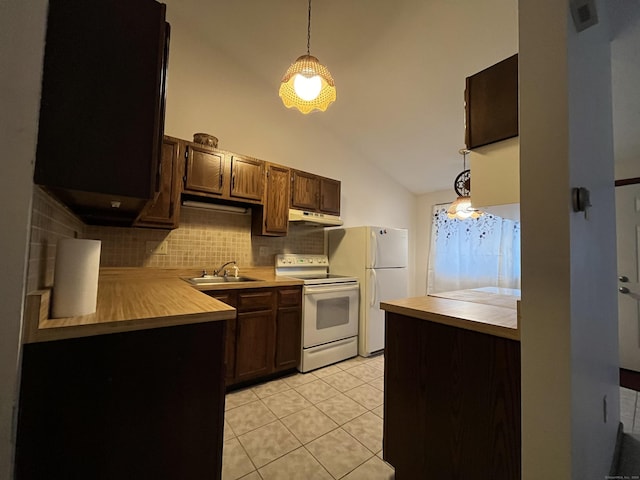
x=301, y=260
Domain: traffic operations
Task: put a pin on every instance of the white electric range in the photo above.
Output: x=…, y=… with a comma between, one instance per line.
x=330, y=309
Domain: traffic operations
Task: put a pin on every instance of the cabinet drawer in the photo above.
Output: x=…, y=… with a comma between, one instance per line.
x=230, y=298
x=256, y=300
x=289, y=297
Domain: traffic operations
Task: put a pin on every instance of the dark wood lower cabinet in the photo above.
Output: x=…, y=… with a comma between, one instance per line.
x=452, y=402
x=146, y=405
x=254, y=345
x=230, y=298
x=265, y=337
x=288, y=328
x=288, y=331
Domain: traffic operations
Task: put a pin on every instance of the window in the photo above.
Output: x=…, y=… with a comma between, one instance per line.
x=484, y=252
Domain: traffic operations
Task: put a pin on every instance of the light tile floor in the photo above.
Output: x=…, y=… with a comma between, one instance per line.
x=325, y=424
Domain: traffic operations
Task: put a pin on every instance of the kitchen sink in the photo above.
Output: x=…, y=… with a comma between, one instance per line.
x=215, y=280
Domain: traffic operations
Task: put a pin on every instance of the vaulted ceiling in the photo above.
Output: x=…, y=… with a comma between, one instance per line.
x=399, y=66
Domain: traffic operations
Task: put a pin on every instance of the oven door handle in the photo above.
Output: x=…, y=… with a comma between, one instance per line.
x=307, y=290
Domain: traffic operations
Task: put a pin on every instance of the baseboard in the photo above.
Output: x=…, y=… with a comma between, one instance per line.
x=630, y=379
x=615, y=463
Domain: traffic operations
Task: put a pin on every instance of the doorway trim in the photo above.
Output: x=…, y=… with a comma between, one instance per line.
x=629, y=378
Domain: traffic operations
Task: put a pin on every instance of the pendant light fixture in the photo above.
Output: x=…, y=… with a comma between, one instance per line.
x=307, y=84
x=461, y=208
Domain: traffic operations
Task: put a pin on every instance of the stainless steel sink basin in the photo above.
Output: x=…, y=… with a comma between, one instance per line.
x=239, y=279
x=215, y=280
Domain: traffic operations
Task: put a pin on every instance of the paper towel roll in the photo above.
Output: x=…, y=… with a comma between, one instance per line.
x=75, y=281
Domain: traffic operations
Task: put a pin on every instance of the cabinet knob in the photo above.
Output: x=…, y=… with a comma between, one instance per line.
x=623, y=290
x=623, y=278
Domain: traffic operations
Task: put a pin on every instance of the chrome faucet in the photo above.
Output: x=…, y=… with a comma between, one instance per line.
x=217, y=271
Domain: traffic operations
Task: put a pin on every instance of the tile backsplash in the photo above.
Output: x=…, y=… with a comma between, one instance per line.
x=50, y=222
x=205, y=239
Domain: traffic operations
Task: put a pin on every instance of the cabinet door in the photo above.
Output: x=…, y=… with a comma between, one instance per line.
x=205, y=170
x=163, y=211
x=230, y=339
x=330, y=196
x=288, y=339
x=101, y=110
x=254, y=344
x=247, y=178
x=160, y=400
x=276, y=204
x=304, y=190
x=288, y=342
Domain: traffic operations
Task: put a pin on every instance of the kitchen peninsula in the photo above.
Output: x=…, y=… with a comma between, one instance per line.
x=452, y=385
x=135, y=389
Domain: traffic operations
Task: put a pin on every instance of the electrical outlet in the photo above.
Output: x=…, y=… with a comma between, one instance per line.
x=163, y=248
x=157, y=248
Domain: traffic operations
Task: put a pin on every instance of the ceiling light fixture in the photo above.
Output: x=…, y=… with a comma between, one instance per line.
x=307, y=84
x=462, y=208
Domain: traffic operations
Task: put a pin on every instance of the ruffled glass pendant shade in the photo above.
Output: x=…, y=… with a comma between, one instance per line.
x=307, y=85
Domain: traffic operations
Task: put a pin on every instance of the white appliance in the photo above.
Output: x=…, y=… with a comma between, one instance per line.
x=329, y=310
x=314, y=218
x=377, y=257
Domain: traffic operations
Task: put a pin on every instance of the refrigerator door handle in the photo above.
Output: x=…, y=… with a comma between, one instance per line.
x=374, y=248
x=374, y=287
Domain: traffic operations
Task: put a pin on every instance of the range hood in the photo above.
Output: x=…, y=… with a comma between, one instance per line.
x=314, y=218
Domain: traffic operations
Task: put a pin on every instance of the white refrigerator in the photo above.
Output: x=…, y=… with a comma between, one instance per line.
x=377, y=257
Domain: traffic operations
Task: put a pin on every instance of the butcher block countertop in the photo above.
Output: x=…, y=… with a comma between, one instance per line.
x=140, y=298
x=485, y=310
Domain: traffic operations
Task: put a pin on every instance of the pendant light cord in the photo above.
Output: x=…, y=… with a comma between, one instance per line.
x=463, y=152
x=309, y=29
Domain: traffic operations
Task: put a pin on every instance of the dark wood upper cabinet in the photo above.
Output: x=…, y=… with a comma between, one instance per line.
x=491, y=99
x=305, y=190
x=206, y=170
x=247, y=177
x=273, y=218
x=329, y=196
x=315, y=193
x=223, y=175
x=164, y=210
x=102, y=106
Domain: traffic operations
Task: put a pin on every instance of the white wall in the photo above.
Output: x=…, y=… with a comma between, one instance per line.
x=495, y=173
x=594, y=297
x=21, y=49
x=625, y=77
x=569, y=314
x=208, y=92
